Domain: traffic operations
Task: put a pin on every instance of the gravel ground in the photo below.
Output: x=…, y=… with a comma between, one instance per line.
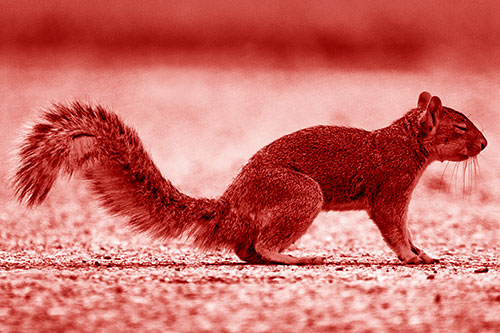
x=90, y=273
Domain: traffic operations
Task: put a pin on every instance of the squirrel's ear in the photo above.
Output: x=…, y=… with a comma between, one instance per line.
x=431, y=116
x=423, y=100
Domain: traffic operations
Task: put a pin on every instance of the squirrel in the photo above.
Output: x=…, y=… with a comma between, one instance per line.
x=276, y=195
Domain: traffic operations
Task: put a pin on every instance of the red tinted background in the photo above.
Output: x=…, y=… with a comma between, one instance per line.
x=361, y=33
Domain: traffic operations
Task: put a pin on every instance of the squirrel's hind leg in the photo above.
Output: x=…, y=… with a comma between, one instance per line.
x=290, y=201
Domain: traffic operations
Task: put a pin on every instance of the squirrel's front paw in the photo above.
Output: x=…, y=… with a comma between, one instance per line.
x=426, y=259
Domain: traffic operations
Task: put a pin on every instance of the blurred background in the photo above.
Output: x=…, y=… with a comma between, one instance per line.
x=207, y=83
x=365, y=34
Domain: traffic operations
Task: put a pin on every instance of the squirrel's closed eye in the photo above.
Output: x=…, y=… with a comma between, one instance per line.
x=460, y=128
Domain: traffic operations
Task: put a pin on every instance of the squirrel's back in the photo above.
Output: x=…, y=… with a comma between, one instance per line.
x=333, y=156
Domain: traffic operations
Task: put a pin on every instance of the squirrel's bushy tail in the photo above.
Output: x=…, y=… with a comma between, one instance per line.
x=110, y=155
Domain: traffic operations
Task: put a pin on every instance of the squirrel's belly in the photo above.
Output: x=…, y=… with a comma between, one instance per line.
x=360, y=204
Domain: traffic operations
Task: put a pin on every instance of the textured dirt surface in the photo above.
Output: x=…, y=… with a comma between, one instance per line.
x=93, y=274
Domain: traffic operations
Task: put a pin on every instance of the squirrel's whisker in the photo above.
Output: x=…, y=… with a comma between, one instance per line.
x=441, y=179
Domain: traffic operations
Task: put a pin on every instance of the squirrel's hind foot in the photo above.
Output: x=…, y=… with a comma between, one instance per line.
x=272, y=258
x=285, y=259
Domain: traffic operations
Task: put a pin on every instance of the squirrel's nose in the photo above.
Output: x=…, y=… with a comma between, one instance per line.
x=483, y=142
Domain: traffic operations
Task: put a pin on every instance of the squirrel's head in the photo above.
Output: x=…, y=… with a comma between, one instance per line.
x=447, y=134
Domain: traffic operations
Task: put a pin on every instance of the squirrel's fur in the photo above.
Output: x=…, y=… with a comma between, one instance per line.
x=277, y=194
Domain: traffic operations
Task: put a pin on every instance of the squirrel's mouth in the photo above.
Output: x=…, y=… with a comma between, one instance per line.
x=461, y=157
x=469, y=152
x=474, y=150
